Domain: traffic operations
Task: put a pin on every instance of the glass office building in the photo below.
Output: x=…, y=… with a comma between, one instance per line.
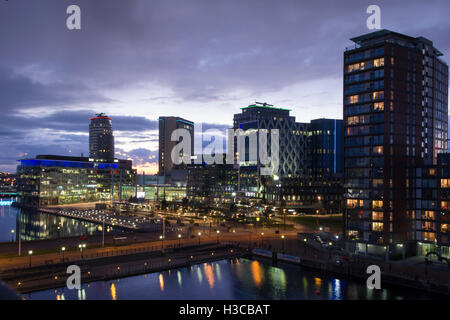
x=53, y=180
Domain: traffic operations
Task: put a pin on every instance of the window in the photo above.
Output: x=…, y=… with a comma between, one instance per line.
x=354, y=203
x=377, y=226
x=429, y=215
x=377, y=204
x=378, y=106
x=377, y=215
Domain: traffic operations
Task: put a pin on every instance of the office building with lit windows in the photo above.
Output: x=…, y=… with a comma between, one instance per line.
x=263, y=117
x=101, y=139
x=395, y=124
x=173, y=173
x=53, y=180
x=325, y=147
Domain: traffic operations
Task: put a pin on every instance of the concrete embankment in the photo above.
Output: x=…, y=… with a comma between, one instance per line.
x=105, y=268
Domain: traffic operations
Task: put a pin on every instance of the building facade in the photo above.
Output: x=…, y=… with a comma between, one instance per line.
x=262, y=117
x=53, y=180
x=101, y=139
x=325, y=147
x=395, y=122
x=167, y=125
x=212, y=183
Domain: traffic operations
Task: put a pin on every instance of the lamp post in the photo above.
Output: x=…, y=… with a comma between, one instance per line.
x=29, y=254
x=179, y=241
x=218, y=232
x=62, y=251
x=262, y=238
x=282, y=242
x=162, y=242
x=199, y=235
x=12, y=235
x=81, y=247
x=103, y=231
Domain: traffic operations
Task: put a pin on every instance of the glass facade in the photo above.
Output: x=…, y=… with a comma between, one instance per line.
x=51, y=180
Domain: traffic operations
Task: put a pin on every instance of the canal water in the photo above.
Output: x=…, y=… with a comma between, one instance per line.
x=230, y=280
x=41, y=226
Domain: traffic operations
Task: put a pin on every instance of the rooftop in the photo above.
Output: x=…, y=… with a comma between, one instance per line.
x=264, y=105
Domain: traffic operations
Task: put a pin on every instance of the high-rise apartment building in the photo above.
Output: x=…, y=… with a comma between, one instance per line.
x=101, y=139
x=395, y=122
x=167, y=125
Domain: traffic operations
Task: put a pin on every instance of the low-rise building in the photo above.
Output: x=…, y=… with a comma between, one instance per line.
x=53, y=180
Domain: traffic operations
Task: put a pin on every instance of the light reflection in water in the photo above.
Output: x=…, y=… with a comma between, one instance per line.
x=113, y=291
x=81, y=294
x=239, y=269
x=317, y=283
x=218, y=273
x=161, y=282
x=336, y=295
x=199, y=274
x=260, y=280
x=257, y=273
x=209, y=274
x=179, y=278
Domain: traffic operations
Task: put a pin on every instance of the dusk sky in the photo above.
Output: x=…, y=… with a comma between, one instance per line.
x=137, y=60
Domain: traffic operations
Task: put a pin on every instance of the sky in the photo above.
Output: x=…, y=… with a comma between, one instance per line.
x=202, y=60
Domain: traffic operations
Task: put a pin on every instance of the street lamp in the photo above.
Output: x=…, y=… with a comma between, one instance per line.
x=282, y=239
x=262, y=238
x=62, y=250
x=218, y=232
x=199, y=234
x=29, y=254
x=179, y=241
x=82, y=246
x=162, y=242
x=12, y=235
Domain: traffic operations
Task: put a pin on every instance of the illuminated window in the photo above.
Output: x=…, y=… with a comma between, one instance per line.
x=378, y=106
x=378, y=62
x=428, y=215
x=354, y=99
x=377, y=215
x=377, y=226
x=377, y=204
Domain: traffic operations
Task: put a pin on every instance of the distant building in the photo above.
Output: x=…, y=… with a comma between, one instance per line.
x=395, y=124
x=263, y=117
x=212, y=183
x=325, y=149
x=101, y=139
x=167, y=168
x=52, y=180
x=308, y=194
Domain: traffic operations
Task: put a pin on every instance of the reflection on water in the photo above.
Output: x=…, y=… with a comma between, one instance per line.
x=38, y=226
x=237, y=279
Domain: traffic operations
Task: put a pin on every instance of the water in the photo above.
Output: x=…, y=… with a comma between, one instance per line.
x=39, y=226
x=235, y=280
